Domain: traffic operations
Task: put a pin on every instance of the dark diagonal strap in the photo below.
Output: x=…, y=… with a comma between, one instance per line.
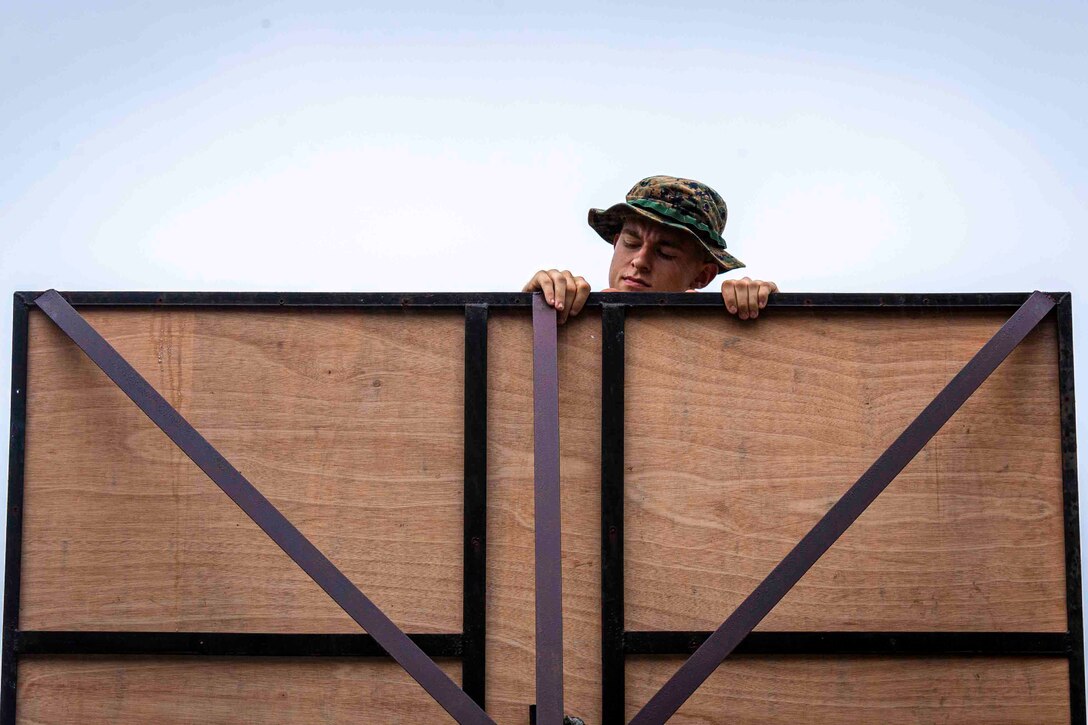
x=846, y=510
x=263, y=513
x=549, y=570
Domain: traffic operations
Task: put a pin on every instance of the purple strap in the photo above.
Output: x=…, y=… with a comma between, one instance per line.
x=421, y=667
x=846, y=510
x=549, y=569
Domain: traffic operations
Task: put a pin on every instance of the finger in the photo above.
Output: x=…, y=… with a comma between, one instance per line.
x=533, y=285
x=564, y=299
x=742, y=298
x=559, y=285
x=729, y=295
x=753, y=299
x=571, y=293
x=541, y=282
x=581, y=295
x=765, y=290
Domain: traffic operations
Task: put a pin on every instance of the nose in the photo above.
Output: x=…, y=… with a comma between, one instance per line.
x=641, y=260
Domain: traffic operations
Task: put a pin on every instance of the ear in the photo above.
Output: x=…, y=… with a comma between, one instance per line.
x=706, y=274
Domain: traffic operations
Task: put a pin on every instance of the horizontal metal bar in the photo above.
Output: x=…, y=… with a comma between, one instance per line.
x=840, y=300
x=233, y=644
x=449, y=300
x=860, y=643
x=524, y=299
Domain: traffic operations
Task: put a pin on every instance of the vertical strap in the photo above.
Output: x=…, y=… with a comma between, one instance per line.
x=549, y=570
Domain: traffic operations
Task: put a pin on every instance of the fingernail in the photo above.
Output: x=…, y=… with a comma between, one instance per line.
x=558, y=305
x=732, y=308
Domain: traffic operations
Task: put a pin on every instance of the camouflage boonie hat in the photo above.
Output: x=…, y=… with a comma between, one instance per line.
x=680, y=203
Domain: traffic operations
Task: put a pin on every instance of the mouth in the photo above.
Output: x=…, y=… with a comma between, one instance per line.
x=635, y=283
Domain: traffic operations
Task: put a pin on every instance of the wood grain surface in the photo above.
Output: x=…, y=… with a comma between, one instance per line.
x=221, y=691
x=351, y=423
x=740, y=436
x=511, y=620
x=864, y=691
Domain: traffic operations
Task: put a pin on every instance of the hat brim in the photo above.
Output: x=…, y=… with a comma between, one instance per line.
x=608, y=223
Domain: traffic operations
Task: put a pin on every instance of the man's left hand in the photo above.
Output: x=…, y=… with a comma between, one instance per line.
x=746, y=297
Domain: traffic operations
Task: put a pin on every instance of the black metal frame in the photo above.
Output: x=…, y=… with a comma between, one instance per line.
x=617, y=643
x=14, y=554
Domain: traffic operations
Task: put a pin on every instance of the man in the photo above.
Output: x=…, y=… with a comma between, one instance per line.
x=666, y=237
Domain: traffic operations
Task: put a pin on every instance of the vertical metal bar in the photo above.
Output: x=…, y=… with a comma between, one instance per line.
x=613, y=693
x=9, y=670
x=474, y=612
x=842, y=514
x=309, y=558
x=1074, y=611
x=549, y=569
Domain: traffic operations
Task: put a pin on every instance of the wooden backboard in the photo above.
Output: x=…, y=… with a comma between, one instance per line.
x=349, y=414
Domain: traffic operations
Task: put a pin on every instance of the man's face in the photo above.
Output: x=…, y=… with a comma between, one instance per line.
x=652, y=257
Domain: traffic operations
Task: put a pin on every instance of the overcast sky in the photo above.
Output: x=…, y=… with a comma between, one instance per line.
x=409, y=146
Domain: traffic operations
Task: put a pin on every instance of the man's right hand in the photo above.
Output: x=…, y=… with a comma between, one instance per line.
x=562, y=290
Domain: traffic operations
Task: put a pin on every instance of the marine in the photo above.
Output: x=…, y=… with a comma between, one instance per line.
x=666, y=237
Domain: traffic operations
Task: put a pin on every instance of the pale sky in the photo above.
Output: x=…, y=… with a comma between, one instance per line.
x=323, y=146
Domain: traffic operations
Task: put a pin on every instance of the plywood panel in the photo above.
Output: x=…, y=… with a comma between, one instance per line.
x=740, y=436
x=861, y=691
x=511, y=613
x=350, y=422
x=207, y=691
